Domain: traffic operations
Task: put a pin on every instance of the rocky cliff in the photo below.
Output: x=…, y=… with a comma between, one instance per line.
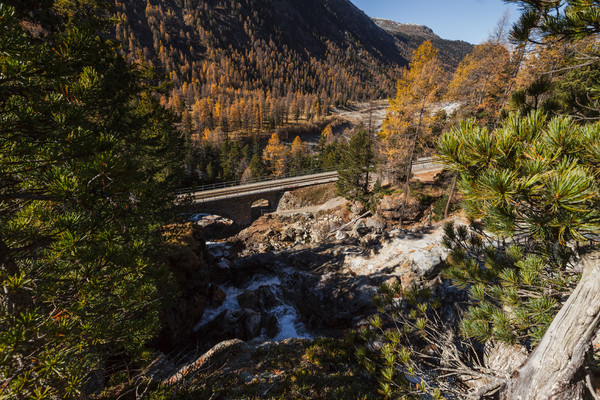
x=410, y=36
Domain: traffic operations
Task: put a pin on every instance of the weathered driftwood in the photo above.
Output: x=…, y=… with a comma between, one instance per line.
x=554, y=370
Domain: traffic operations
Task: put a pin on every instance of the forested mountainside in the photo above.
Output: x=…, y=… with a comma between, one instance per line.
x=243, y=70
x=410, y=36
x=250, y=64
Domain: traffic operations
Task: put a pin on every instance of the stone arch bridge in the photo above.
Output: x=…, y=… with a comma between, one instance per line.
x=236, y=202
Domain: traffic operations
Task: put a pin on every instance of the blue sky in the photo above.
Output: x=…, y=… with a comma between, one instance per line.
x=469, y=20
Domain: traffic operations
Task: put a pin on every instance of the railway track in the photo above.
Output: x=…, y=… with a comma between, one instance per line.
x=261, y=187
x=235, y=189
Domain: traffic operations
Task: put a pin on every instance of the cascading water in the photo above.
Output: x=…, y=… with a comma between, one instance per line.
x=288, y=323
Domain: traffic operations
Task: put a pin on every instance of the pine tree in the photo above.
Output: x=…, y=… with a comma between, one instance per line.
x=556, y=24
x=87, y=164
x=533, y=179
x=571, y=19
x=257, y=167
x=354, y=170
x=536, y=96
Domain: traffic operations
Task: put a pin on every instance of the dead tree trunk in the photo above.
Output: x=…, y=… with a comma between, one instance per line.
x=450, y=196
x=554, y=369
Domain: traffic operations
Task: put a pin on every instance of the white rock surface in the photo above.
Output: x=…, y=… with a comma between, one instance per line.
x=420, y=253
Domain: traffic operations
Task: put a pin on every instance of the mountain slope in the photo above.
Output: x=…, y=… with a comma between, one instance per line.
x=315, y=22
x=327, y=49
x=249, y=66
x=410, y=36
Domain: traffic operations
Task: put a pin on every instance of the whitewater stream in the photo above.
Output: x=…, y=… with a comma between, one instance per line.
x=286, y=315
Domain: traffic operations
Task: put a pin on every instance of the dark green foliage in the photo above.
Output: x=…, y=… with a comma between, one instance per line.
x=439, y=207
x=230, y=157
x=257, y=166
x=576, y=88
x=572, y=91
x=532, y=176
x=86, y=167
x=299, y=162
x=223, y=163
x=514, y=295
x=355, y=168
x=537, y=96
x=578, y=91
x=324, y=369
x=572, y=19
x=398, y=350
x=330, y=156
x=533, y=183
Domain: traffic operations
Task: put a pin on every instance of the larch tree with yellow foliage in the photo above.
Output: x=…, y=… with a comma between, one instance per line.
x=327, y=136
x=482, y=80
x=275, y=155
x=407, y=123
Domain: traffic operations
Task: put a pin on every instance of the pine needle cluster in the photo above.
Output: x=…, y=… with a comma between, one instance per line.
x=398, y=345
x=513, y=294
x=533, y=177
x=534, y=185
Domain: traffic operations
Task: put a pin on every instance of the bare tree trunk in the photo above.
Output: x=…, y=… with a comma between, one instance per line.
x=554, y=369
x=370, y=118
x=485, y=82
x=450, y=196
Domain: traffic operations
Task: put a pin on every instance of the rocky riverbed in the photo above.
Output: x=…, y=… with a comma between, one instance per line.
x=268, y=311
x=311, y=271
x=289, y=286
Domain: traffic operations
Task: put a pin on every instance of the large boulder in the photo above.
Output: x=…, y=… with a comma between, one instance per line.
x=289, y=201
x=390, y=207
x=330, y=302
x=376, y=224
x=215, y=227
x=221, y=271
x=262, y=299
x=244, y=324
x=411, y=256
x=186, y=257
x=359, y=229
x=243, y=270
x=428, y=263
x=216, y=296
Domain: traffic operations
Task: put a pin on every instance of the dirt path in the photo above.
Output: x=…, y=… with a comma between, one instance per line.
x=427, y=175
x=372, y=113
